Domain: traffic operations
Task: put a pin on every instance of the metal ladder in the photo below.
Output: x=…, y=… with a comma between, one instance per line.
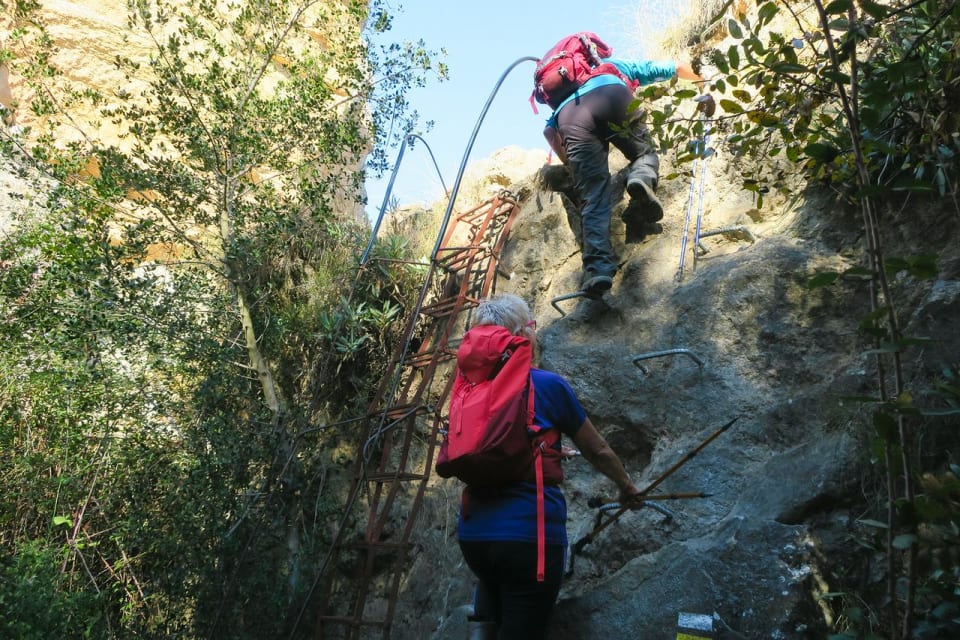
x=401, y=429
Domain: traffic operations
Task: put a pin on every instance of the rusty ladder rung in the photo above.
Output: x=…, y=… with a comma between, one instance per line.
x=447, y=306
x=360, y=622
x=384, y=476
x=425, y=358
x=399, y=411
x=376, y=545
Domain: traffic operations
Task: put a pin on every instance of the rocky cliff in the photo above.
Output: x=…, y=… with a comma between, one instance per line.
x=748, y=339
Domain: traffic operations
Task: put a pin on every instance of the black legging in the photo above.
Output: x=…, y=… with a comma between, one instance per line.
x=509, y=593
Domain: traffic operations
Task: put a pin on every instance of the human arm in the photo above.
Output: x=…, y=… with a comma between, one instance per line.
x=706, y=103
x=685, y=72
x=598, y=453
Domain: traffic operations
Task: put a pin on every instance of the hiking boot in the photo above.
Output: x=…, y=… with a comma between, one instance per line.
x=644, y=205
x=594, y=287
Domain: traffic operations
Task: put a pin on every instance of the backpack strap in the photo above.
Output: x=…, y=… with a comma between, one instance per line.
x=541, y=518
x=539, y=444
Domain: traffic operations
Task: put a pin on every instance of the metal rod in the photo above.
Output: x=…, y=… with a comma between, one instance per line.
x=703, y=172
x=686, y=220
x=613, y=506
x=666, y=352
x=688, y=457
x=700, y=148
x=642, y=496
x=734, y=229
x=466, y=154
x=568, y=296
x=386, y=196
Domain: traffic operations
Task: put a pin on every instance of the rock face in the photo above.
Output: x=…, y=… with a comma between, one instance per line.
x=758, y=554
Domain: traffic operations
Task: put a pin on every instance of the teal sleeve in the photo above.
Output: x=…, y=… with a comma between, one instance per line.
x=645, y=71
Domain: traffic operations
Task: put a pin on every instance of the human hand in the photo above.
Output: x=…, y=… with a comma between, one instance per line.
x=631, y=498
x=706, y=104
x=568, y=453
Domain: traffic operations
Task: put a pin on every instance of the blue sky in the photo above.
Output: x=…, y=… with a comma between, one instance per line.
x=482, y=40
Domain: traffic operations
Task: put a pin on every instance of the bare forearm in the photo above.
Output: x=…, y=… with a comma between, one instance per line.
x=599, y=454
x=606, y=462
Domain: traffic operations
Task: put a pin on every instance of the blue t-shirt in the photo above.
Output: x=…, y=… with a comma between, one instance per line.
x=643, y=71
x=511, y=513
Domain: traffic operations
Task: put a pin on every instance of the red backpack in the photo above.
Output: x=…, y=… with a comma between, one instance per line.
x=571, y=62
x=491, y=440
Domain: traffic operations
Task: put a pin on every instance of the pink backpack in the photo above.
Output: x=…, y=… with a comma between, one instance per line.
x=571, y=62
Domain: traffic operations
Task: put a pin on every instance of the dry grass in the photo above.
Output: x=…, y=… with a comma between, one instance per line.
x=666, y=29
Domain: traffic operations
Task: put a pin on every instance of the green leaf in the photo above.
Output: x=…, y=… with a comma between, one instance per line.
x=873, y=523
x=835, y=76
x=734, y=28
x=839, y=6
x=905, y=541
x=885, y=425
x=914, y=186
x=870, y=118
x=861, y=273
x=763, y=118
x=767, y=12
x=789, y=67
x=874, y=9
x=923, y=266
x=733, y=54
x=870, y=191
x=940, y=412
x=720, y=61
x=822, y=153
x=62, y=521
x=730, y=106
x=886, y=348
x=822, y=280
x=879, y=449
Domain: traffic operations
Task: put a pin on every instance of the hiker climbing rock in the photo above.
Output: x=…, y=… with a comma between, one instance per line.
x=513, y=534
x=594, y=115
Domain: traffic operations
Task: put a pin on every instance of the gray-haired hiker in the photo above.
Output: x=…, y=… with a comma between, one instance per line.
x=581, y=130
x=498, y=526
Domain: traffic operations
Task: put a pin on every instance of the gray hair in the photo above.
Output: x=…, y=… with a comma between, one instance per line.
x=506, y=310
